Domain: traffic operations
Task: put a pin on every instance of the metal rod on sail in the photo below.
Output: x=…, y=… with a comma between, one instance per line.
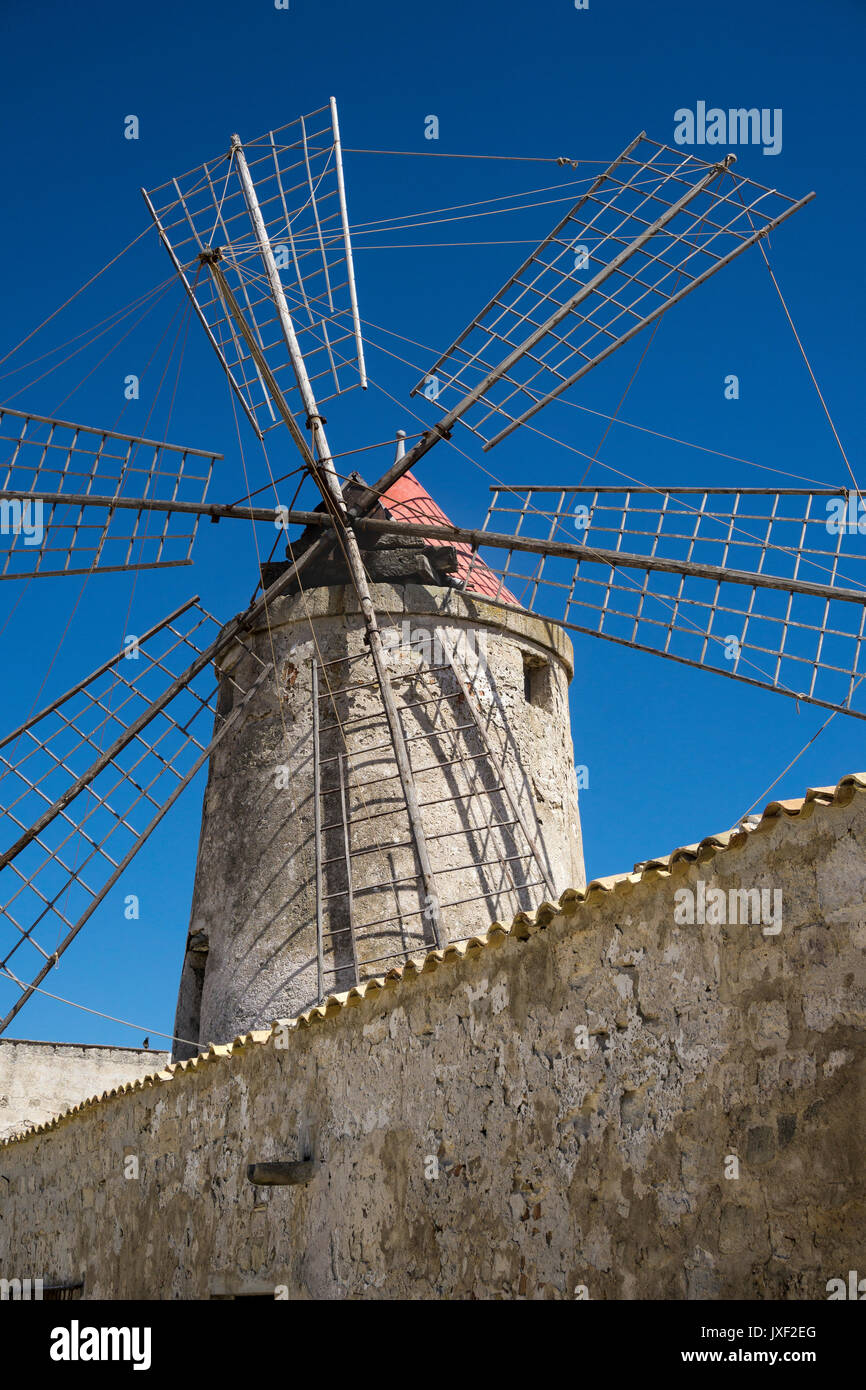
x=315, y=423
x=325, y=477
x=211, y=258
x=495, y=540
x=347, y=246
x=442, y=429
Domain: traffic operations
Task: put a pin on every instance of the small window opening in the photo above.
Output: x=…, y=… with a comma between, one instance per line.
x=537, y=683
x=188, y=1017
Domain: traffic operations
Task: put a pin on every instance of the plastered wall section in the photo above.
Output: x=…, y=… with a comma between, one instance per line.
x=42, y=1079
x=471, y=1140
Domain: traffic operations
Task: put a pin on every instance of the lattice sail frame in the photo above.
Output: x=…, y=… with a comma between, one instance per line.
x=48, y=470
x=84, y=783
x=655, y=225
x=768, y=587
x=297, y=174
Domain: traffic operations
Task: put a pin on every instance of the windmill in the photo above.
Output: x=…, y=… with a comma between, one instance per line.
x=752, y=583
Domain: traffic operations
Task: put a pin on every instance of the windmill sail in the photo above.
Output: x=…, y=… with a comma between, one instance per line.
x=50, y=470
x=768, y=587
x=296, y=174
x=84, y=782
x=653, y=227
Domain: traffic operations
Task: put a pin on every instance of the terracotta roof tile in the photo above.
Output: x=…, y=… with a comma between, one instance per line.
x=407, y=500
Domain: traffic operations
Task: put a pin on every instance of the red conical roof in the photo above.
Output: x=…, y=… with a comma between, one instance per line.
x=407, y=500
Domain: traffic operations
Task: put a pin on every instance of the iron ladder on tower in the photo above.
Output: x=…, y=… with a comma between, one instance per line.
x=507, y=858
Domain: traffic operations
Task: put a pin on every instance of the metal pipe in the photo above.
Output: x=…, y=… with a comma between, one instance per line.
x=347, y=244
x=591, y=554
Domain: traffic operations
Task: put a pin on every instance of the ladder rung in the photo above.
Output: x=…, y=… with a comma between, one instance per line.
x=417, y=771
x=417, y=912
x=392, y=676
x=347, y=723
x=385, y=887
x=474, y=829
x=483, y=864
x=371, y=888
x=403, y=951
x=416, y=704
x=372, y=849
x=400, y=810
x=423, y=946
x=471, y=758
x=441, y=733
x=459, y=796
x=339, y=931
x=422, y=671
x=410, y=844
x=346, y=689
x=413, y=878
x=407, y=738
x=382, y=921
x=341, y=660
x=434, y=699
x=504, y=893
x=359, y=753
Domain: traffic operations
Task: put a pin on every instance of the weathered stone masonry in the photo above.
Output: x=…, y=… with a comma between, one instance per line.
x=559, y=1167
x=41, y=1079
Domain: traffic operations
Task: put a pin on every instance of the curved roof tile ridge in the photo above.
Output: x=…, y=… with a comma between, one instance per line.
x=523, y=926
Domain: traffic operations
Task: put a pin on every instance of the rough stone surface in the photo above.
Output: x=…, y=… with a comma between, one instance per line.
x=556, y=1112
x=42, y=1079
x=252, y=953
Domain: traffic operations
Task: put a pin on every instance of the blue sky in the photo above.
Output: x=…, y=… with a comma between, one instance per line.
x=673, y=754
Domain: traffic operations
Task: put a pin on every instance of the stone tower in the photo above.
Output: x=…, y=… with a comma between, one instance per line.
x=274, y=924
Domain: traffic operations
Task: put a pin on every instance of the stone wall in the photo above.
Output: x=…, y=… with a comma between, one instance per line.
x=42, y=1079
x=601, y=1101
